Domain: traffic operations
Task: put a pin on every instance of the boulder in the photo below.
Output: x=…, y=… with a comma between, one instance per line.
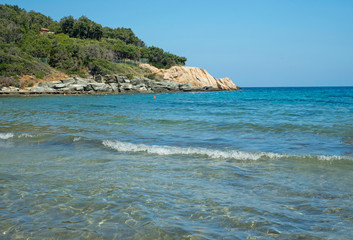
x=100, y=87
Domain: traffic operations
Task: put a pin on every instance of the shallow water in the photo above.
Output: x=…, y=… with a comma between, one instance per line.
x=263, y=163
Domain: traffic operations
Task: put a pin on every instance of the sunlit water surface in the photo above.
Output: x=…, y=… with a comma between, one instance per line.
x=263, y=163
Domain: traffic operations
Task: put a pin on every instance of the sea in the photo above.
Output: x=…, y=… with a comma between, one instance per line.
x=261, y=163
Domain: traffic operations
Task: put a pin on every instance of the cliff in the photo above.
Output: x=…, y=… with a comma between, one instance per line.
x=197, y=77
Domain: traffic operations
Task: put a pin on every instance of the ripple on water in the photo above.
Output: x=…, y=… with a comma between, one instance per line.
x=256, y=164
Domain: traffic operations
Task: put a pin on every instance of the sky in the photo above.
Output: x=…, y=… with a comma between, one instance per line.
x=256, y=43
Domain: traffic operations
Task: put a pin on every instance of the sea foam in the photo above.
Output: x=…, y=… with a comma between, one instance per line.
x=212, y=153
x=5, y=136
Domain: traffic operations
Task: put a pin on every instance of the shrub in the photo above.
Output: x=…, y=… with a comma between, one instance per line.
x=40, y=75
x=5, y=81
x=130, y=76
x=151, y=76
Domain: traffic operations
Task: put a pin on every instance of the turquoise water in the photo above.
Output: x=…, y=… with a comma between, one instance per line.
x=263, y=163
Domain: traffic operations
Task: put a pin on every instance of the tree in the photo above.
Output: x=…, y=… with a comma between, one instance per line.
x=67, y=25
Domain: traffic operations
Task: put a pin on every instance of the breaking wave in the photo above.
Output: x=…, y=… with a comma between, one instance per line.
x=26, y=135
x=5, y=136
x=212, y=153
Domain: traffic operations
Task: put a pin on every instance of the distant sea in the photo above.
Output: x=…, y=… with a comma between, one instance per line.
x=262, y=163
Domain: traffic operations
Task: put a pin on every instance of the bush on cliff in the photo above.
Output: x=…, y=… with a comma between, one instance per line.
x=14, y=62
x=77, y=45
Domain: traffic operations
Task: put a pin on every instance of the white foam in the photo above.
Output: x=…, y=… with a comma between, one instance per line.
x=168, y=150
x=76, y=139
x=26, y=135
x=6, y=135
x=230, y=154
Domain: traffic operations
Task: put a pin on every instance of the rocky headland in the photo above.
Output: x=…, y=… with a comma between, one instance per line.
x=175, y=79
x=197, y=77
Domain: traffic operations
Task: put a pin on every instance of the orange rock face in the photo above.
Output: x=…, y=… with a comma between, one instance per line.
x=198, y=77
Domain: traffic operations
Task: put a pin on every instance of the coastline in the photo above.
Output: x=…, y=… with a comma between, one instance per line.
x=14, y=93
x=109, y=84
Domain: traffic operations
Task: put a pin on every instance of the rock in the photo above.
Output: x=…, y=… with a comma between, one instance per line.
x=186, y=87
x=148, y=82
x=171, y=85
x=198, y=77
x=68, y=81
x=208, y=88
x=176, y=79
x=82, y=82
x=158, y=86
x=109, y=79
x=140, y=88
x=226, y=84
x=88, y=88
x=121, y=78
x=98, y=78
x=75, y=87
x=125, y=86
x=60, y=85
x=79, y=88
x=41, y=89
x=135, y=81
x=99, y=87
x=48, y=84
x=114, y=87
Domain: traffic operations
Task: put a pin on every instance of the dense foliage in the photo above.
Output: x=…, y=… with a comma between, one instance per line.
x=77, y=45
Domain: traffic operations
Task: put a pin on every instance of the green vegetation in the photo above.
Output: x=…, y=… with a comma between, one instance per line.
x=77, y=46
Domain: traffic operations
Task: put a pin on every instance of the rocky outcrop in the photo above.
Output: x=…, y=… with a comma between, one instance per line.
x=109, y=83
x=175, y=79
x=195, y=76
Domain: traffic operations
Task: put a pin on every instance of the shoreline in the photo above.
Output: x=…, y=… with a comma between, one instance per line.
x=26, y=93
x=107, y=84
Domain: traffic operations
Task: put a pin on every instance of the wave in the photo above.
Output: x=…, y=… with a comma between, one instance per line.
x=212, y=153
x=76, y=139
x=5, y=136
x=26, y=135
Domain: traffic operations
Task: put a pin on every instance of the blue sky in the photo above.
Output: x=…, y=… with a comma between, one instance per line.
x=254, y=42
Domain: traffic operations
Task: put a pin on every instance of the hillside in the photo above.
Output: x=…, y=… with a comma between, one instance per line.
x=36, y=45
